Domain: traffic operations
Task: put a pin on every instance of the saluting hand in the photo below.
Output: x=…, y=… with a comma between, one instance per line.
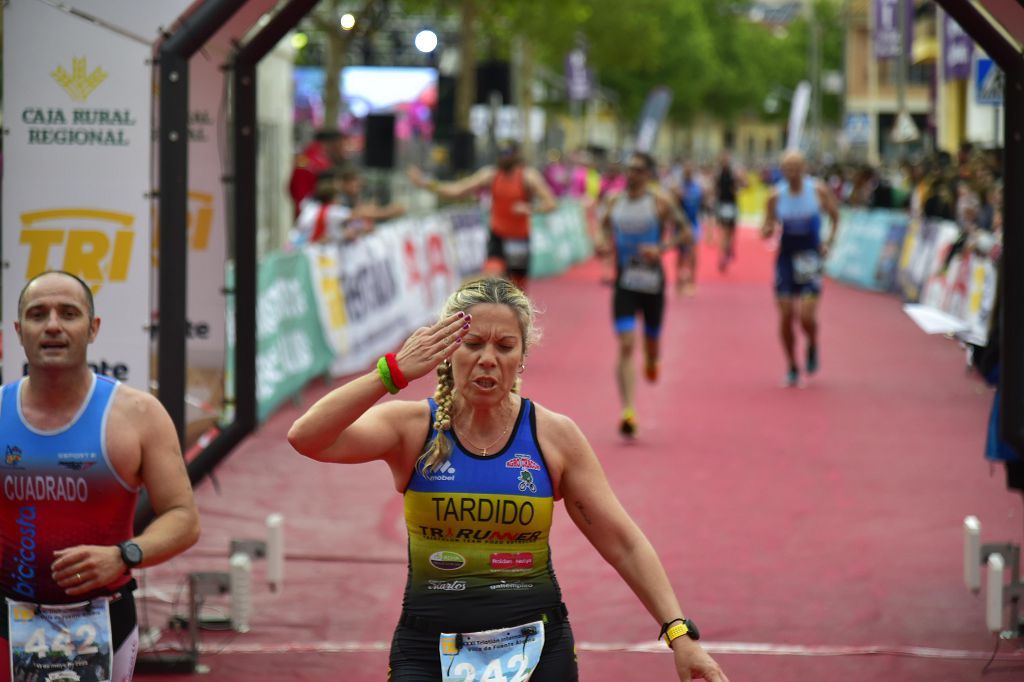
x=428, y=347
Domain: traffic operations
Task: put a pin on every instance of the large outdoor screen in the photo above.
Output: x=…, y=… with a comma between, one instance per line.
x=409, y=93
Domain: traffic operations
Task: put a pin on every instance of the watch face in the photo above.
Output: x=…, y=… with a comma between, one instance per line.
x=131, y=553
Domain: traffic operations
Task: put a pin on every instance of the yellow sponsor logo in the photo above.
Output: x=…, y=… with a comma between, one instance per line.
x=23, y=614
x=92, y=243
x=330, y=286
x=198, y=222
x=79, y=84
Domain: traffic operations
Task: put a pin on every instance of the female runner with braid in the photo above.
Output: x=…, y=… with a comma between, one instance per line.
x=480, y=468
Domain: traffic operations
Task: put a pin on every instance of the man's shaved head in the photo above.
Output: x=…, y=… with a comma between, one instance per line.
x=792, y=165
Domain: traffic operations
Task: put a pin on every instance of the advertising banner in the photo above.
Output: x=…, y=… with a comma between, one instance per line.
x=549, y=254
x=207, y=192
x=887, y=27
x=372, y=293
x=925, y=250
x=290, y=345
x=429, y=272
x=966, y=290
x=469, y=238
x=867, y=250
x=578, y=77
x=580, y=245
x=77, y=106
x=325, y=270
x=371, y=281
x=957, y=50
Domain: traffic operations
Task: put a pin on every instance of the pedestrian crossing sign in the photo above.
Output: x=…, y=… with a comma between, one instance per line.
x=989, y=83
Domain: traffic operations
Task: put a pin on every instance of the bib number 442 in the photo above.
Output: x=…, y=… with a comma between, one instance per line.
x=85, y=636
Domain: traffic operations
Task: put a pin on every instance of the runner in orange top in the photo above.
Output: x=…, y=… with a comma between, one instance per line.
x=514, y=188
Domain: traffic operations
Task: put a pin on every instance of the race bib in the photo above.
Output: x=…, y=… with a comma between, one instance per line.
x=643, y=278
x=506, y=655
x=727, y=211
x=517, y=253
x=806, y=266
x=60, y=643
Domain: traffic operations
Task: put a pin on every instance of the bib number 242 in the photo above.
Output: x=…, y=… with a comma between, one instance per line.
x=503, y=655
x=519, y=671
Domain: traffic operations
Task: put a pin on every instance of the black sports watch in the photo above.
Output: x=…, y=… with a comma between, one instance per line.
x=131, y=553
x=691, y=629
x=679, y=627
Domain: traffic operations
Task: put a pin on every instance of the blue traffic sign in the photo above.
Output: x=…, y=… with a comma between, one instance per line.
x=989, y=83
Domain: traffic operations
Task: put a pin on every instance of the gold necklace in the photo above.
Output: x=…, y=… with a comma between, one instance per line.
x=483, y=450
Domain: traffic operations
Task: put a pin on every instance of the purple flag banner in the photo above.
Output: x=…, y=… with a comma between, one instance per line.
x=578, y=79
x=887, y=27
x=957, y=48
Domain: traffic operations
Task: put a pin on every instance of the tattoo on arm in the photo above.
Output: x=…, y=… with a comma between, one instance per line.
x=583, y=513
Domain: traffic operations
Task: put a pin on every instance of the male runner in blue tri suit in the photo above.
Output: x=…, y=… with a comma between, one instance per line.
x=690, y=194
x=796, y=204
x=637, y=224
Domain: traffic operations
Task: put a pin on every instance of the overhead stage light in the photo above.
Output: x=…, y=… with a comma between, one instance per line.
x=426, y=41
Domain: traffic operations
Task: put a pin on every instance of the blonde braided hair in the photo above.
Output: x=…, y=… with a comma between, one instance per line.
x=475, y=292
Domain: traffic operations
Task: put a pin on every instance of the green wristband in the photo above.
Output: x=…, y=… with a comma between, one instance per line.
x=385, y=375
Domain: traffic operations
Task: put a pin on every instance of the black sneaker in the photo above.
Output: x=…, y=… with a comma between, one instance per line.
x=792, y=377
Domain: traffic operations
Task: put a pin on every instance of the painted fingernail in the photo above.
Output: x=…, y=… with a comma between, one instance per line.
x=461, y=314
x=465, y=326
x=458, y=339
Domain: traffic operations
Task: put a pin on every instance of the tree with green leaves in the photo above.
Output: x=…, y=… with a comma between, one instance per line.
x=717, y=61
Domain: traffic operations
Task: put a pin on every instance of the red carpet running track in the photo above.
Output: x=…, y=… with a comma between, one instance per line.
x=813, y=533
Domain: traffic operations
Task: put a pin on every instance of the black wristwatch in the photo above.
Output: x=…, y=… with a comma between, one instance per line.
x=679, y=627
x=691, y=629
x=131, y=553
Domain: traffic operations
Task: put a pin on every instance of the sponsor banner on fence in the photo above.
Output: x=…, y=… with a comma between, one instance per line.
x=867, y=249
x=551, y=243
x=924, y=251
x=290, y=345
x=371, y=282
x=575, y=229
x=889, y=251
x=469, y=238
x=371, y=294
x=966, y=290
x=325, y=270
x=429, y=270
x=77, y=105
